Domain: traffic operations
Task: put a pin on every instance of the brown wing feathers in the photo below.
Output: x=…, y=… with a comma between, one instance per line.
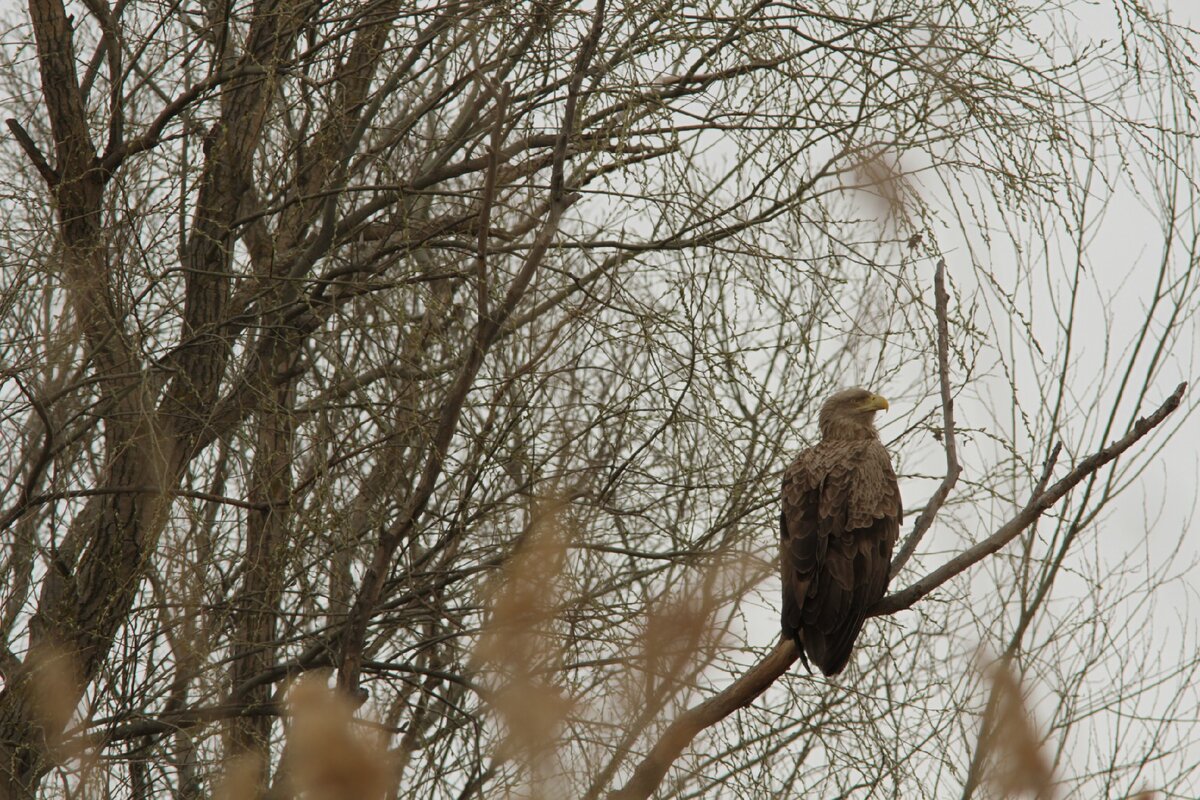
x=839, y=523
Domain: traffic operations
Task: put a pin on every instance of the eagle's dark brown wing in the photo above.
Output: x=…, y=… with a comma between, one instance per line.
x=841, y=516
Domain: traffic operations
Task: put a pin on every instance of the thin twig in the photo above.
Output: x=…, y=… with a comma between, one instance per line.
x=953, y=468
x=1048, y=470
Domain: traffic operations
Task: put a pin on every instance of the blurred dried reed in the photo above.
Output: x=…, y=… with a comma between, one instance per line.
x=1015, y=765
x=517, y=649
x=330, y=757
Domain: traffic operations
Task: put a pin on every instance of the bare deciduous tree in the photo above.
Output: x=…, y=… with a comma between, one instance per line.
x=449, y=355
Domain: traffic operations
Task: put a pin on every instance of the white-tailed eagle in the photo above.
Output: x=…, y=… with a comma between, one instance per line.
x=841, y=516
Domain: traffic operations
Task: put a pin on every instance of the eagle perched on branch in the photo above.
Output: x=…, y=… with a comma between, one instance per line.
x=841, y=515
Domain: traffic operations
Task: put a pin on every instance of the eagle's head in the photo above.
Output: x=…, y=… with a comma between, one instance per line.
x=850, y=414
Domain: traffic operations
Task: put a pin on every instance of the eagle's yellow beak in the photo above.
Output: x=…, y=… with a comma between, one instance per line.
x=874, y=403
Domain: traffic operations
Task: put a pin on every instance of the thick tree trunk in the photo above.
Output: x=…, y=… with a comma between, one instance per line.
x=101, y=559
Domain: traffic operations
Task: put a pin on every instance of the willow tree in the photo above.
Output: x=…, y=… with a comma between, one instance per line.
x=449, y=354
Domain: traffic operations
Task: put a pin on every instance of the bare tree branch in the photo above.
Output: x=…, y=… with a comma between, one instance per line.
x=739, y=694
x=1038, y=504
x=953, y=468
x=31, y=149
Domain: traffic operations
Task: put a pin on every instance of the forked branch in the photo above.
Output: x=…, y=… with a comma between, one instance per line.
x=1039, y=502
